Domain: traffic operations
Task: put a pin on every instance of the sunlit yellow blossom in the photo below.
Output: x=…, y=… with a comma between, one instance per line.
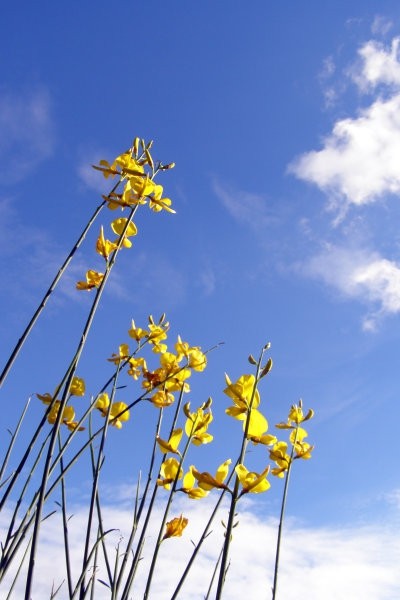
x=196, y=426
x=123, y=354
x=177, y=382
x=170, y=362
x=266, y=440
x=296, y=417
x=68, y=413
x=127, y=164
x=297, y=435
x=77, y=387
x=208, y=482
x=93, y=279
x=137, y=333
x=104, y=247
x=172, y=444
x=102, y=403
x=45, y=398
x=136, y=366
x=252, y=482
x=197, y=360
x=175, y=527
x=107, y=169
x=242, y=391
x=131, y=192
x=152, y=379
x=279, y=455
x=189, y=486
x=170, y=470
x=162, y=398
x=303, y=450
x=117, y=414
x=156, y=335
x=118, y=226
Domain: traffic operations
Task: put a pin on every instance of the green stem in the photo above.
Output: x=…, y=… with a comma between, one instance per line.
x=67, y=380
x=47, y=295
x=235, y=494
x=281, y=518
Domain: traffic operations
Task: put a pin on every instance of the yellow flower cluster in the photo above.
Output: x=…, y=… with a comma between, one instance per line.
x=136, y=171
x=77, y=388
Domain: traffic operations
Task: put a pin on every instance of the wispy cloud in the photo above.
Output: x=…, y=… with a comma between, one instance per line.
x=381, y=25
x=26, y=131
x=359, y=562
x=248, y=208
x=90, y=177
x=360, y=274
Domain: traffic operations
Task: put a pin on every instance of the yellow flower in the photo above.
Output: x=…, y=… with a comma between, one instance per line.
x=175, y=527
x=45, y=398
x=93, y=279
x=123, y=354
x=279, y=455
x=104, y=247
x=169, y=471
x=241, y=392
x=157, y=333
x=136, y=366
x=162, y=398
x=77, y=387
x=197, y=424
x=157, y=203
x=127, y=164
x=119, y=412
x=116, y=414
x=172, y=444
x=208, y=482
x=252, y=482
x=131, y=192
x=303, y=450
x=67, y=416
x=190, y=489
x=197, y=360
x=118, y=226
x=137, y=333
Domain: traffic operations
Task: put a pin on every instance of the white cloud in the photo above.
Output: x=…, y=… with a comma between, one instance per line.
x=26, y=132
x=245, y=207
x=357, y=562
x=360, y=274
x=359, y=162
x=379, y=65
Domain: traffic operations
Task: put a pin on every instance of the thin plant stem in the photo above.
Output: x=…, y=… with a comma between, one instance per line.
x=204, y=535
x=96, y=475
x=281, y=518
x=235, y=494
x=50, y=290
x=68, y=380
x=13, y=438
x=136, y=557
x=165, y=516
x=139, y=509
x=65, y=525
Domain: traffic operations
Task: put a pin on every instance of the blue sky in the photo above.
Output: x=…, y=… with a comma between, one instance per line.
x=283, y=123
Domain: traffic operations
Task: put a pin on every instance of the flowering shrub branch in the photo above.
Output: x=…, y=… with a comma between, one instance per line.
x=161, y=373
